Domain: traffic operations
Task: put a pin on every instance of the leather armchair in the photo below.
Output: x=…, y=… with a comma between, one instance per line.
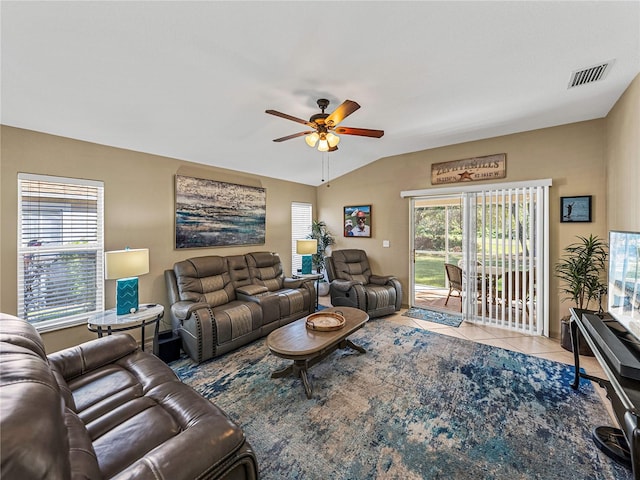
x=354, y=285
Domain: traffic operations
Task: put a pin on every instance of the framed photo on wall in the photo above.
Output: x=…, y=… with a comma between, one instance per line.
x=357, y=221
x=575, y=209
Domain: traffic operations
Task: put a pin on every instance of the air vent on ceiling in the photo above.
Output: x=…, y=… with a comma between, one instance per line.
x=590, y=74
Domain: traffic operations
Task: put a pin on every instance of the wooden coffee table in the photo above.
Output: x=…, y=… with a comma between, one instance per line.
x=307, y=347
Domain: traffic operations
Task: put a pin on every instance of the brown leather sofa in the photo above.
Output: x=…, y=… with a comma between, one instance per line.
x=104, y=409
x=353, y=284
x=221, y=303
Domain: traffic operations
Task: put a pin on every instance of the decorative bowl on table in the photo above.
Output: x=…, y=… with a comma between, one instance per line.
x=325, y=321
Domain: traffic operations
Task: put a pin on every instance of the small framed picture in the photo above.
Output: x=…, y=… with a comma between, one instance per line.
x=575, y=209
x=357, y=221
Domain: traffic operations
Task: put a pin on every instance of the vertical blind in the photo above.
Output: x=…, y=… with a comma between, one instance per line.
x=505, y=252
x=301, y=219
x=60, y=249
x=506, y=246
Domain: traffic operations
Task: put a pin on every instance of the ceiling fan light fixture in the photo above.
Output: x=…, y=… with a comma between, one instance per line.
x=312, y=139
x=323, y=146
x=332, y=140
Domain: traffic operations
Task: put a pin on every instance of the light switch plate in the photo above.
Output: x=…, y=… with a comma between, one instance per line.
x=385, y=243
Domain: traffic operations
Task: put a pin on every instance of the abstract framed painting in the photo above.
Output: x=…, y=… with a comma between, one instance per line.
x=575, y=209
x=209, y=213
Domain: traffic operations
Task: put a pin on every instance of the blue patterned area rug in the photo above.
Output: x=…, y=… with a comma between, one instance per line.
x=451, y=320
x=417, y=405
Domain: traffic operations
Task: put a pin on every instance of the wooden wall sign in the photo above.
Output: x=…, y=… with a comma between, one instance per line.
x=470, y=169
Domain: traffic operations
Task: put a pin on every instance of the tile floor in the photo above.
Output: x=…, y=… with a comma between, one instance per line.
x=548, y=348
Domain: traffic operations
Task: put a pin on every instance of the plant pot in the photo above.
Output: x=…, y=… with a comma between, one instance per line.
x=565, y=339
x=323, y=288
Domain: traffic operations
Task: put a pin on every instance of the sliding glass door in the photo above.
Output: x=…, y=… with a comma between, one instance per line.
x=502, y=254
x=437, y=239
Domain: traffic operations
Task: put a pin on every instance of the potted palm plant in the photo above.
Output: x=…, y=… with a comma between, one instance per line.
x=580, y=271
x=325, y=239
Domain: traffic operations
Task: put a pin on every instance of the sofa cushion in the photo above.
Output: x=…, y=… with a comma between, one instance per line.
x=203, y=434
x=265, y=269
x=351, y=265
x=236, y=319
x=205, y=279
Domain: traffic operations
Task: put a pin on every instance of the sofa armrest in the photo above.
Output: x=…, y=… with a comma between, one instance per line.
x=295, y=282
x=380, y=279
x=344, y=285
x=252, y=290
x=75, y=361
x=182, y=310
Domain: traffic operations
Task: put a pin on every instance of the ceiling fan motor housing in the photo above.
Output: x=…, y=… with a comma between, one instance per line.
x=318, y=118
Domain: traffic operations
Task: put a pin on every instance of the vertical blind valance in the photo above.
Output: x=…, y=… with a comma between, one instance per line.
x=60, y=248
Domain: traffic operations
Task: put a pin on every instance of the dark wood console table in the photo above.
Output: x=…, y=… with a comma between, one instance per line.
x=623, y=391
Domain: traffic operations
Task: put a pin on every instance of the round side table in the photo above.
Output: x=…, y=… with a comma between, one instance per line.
x=110, y=322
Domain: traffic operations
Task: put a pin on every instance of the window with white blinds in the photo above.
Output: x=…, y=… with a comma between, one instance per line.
x=301, y=219
x=60, y=250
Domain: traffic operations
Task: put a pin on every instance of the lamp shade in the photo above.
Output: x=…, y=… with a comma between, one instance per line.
x=126, y=263
x=332, y=140
x=312, y=139
x=323, y=145
x=306, y=247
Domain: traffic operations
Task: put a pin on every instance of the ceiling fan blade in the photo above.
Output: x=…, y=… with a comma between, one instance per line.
x=363, y=132
x=289, y=137
x=289, y=117
x=343, y=111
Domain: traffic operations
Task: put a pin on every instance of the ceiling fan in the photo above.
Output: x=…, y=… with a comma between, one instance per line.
x=325, y=124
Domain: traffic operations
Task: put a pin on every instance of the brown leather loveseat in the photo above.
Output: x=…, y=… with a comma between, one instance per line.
x=104, y=409
x=221, y=303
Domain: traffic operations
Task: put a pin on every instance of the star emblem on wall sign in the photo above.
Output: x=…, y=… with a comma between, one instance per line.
x=466, y=175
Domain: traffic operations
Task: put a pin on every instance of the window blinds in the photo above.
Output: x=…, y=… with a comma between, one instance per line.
x=60, y=249
x=300, y=228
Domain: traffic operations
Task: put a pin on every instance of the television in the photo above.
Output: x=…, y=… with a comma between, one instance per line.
x=623, y=286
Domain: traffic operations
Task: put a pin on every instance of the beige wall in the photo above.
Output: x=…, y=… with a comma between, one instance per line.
x=581, y=159
x=623, y=161
x=571, y=155
x=139, y=209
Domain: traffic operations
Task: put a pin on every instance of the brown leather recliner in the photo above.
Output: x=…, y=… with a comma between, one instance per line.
x=104, y=409
x=354, y=285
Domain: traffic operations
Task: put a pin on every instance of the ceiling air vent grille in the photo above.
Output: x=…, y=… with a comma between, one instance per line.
x=590, y=74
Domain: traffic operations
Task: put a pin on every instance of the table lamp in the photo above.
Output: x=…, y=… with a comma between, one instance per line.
x=124, y=266
x=306, y=248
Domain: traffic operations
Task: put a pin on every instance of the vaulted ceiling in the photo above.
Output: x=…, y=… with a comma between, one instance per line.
x=192, y=80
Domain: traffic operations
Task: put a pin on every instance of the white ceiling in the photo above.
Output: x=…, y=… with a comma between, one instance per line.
x=191, y=80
